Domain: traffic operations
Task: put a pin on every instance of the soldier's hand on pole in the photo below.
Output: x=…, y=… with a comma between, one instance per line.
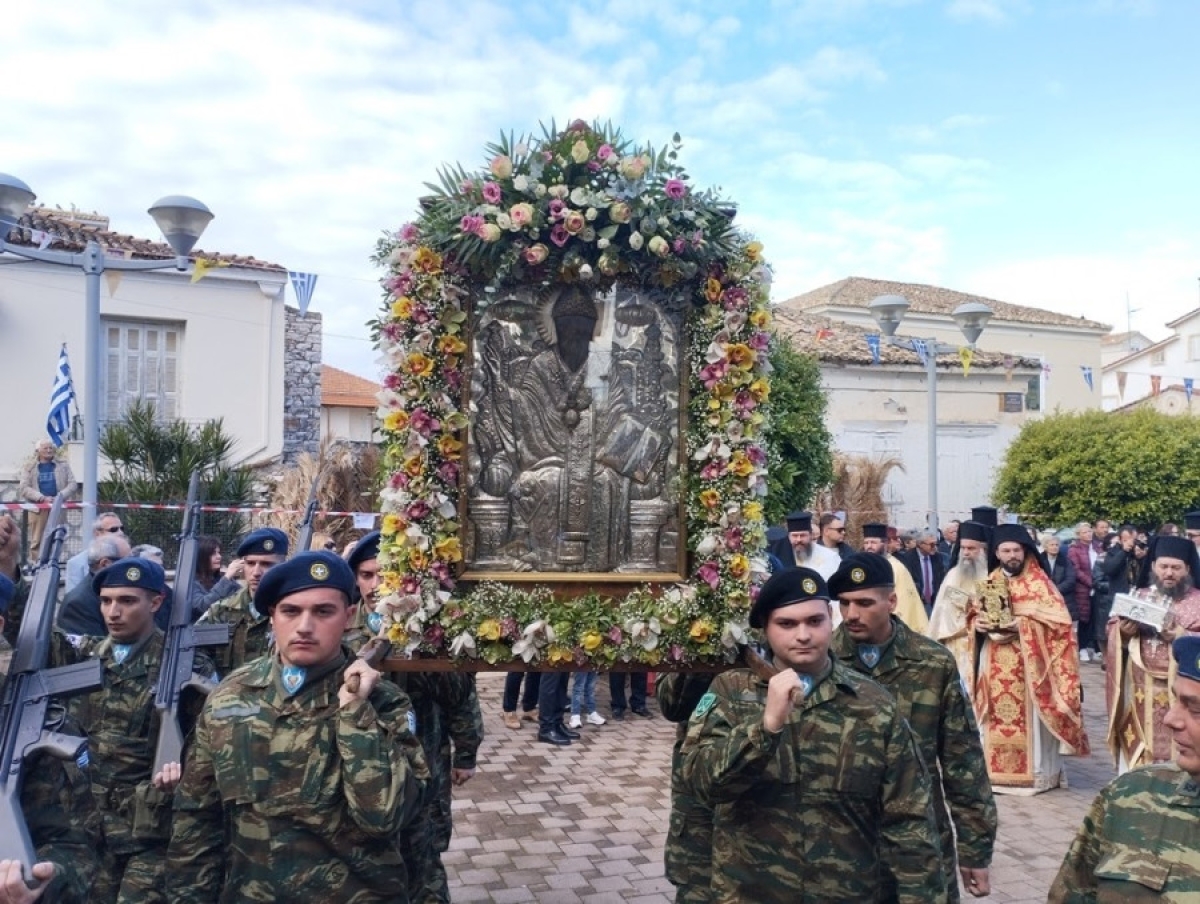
x=359, y=680
x=976, y=881
x=168, y=777
x=13, y=887
x=461, y=776
x=784, y=691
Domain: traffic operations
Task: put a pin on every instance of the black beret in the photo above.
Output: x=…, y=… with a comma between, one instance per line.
x=783, y=588
x=364, y=550
x=799, y=521
x=875, y=530
x=985, y=515
x=1191, y=521
x=862, y=571
x=1187, y=655
x=132, y=572
x=304, y=571
x=973, y=530
x=7, y=591
x=266, y=541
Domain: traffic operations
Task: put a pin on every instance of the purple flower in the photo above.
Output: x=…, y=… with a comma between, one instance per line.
x=441, y=571
x=435, y=635
x=410, y=585
x=509, y=629
x=678, y=246
x=470, y=224
x=559, y=235
x=556, y=208
x=711, y=471
x=604, y=152
x=710, y=574
x=734, y=298
x=416, y=510
x=757, y=455
x=676, y=654
x=492, y=193
x=614, y=634
x=466, y=186
x=733, y=539
x=712, y=374
x=760, y=341
x=453, y=378
x=408, y=233
x=424, y=423
x=593, y=166
x=448, y=472
x=674, y=189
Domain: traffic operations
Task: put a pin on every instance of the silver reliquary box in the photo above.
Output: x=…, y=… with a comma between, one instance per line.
x=1149, y=610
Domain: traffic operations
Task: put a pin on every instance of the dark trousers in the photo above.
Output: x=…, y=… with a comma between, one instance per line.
x=512, y=689
x=552, y=699
x=637, y=690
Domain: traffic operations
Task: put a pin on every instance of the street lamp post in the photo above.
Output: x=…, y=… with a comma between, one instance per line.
x=971, y=317
x=181, y=220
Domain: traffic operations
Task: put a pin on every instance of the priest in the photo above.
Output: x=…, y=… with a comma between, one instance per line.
x=958, y=593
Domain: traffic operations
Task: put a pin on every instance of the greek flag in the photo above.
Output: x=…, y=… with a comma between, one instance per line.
x=303, y=285
x=58, y=421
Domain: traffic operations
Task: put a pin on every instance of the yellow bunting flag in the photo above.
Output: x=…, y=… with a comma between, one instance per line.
x=113, y=278
x=200, y=268
x=965, y=356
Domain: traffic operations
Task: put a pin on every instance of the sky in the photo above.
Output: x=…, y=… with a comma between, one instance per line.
x=1041, y=152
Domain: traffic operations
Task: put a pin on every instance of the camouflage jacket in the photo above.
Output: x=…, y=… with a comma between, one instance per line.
x=1140, y=841
x=923, y=677
x=835, y=807
x=122, y=725
x=250, y=633
x=56, y=799
x=293, y=798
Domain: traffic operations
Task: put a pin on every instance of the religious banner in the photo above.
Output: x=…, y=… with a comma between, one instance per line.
x=566, y=327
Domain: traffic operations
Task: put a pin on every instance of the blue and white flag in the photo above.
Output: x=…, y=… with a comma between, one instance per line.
x=58, y=421
x=1188, y=384
x=1087, y=376
x=303, y=285
x=922, y=350
x=873, y=345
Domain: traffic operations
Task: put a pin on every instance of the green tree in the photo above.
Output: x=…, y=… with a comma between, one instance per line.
x=799, y=447
x=151, y=461
x=1137, y=467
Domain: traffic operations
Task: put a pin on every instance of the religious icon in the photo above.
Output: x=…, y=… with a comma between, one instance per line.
x=574, y=436
x=993, y=595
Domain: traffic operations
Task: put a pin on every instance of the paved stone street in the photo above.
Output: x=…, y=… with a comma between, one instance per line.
x=586, y=823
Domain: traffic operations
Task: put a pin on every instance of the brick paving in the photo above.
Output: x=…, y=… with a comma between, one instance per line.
x=585, y=824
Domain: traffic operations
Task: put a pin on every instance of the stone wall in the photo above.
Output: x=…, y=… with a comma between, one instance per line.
x=301, y=384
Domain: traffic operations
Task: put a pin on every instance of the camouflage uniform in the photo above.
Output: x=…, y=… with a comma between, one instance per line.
x=923, y=677
x=56, y=799
x=687, y=853
x=835, y=807
x=294, y=798
x=249, y=631
x=122, y=724
x=1140, y=841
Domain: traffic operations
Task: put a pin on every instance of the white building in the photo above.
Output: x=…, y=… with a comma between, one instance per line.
x=1161, y=374
x=348, y=404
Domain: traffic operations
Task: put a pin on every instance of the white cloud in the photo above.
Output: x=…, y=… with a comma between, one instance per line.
x=976, y=10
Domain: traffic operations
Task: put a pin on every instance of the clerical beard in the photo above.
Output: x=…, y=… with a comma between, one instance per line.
x=1013, y=571
x=973, y=569
x=1179, y=591
x=802, y=553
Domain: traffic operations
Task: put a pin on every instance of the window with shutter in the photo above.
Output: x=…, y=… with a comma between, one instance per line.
x=142, y=362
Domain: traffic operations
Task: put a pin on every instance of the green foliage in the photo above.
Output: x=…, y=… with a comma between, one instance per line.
x=799, y=444
x=151, y=461
x=1137, y=467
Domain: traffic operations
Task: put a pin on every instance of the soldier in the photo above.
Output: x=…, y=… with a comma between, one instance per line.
x=249, y=628
x=122, y=723
x=923, y=677
x=57, y=802
x=305, y=765
x=449, y=725
x=687, y=853
x=1139, y=840
x=817, y=787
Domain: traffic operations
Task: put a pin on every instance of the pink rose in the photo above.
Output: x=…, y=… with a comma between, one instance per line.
x=556, y=208
x=535, y=254
x=489, y=232
x=417, y=510
x=470, y=224
x=491, y=192
x=604, y=153
x=559, y=235
x=448, y=472
x=521, y=215
x=408, y=233
x=710, y=574
x=634, y=167
x=675, y=189
x=466, y=186
x=501, y=166
x=574, y=222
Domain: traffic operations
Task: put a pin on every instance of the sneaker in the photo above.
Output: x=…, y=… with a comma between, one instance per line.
x=594, y=718
x=512, y=721
x=574, y=723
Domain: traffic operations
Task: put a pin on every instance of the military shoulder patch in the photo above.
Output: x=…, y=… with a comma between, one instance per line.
x=707, y=702
x=412, y=722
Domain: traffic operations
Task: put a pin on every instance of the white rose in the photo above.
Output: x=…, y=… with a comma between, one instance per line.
x=585, y=272
x=504, y=221
x=602, y=244
x=558, y=191
x=521, y=182
x=539, y=190
x=579, y=196
x=590, y=214
x=636, y=240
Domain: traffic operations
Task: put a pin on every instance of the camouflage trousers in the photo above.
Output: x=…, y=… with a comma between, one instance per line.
x=687, y=852
x=136, y=878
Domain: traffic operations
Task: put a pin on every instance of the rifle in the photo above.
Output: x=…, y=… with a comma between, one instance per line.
x=179, y=647
x=305, y=534
x=27, y=693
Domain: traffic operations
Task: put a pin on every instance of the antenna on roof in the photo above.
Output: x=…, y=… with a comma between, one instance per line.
x=1129, y=312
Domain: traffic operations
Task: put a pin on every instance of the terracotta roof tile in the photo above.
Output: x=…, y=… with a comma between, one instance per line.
x=345, y=390
x=856, y=291
x=72, y=236
x=845, y=343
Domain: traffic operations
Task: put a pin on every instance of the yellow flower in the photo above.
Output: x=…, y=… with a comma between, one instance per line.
x=739, y=566
x=489, y=629
x=653, y=657
x=393, y=525
x=448, y=549
x=426, y=260
x=754, y=251
x=701, y=630
x=740, y=465
x=592, y=641
x=451, y=345
x=395, y=421
x=760, y=319
x=396, y=633
x=402, y=308
x=418, y=559
x=419, y=365
x=752, y=511
x=740, y=355
x=760, y=389
x=559, y=653
x=448, y=446
x=712, y=291
x=722, y=392
x=710, y=499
